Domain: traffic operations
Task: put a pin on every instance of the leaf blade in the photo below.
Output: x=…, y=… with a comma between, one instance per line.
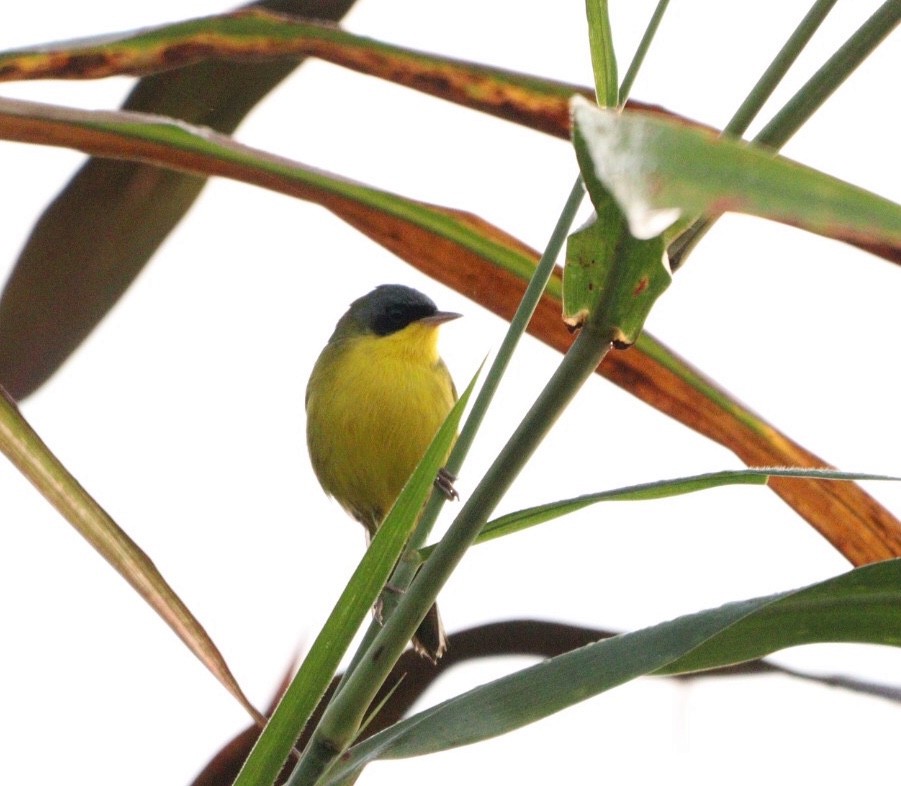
x=99, y=232
x=661, y=489
x=659, y=171
x=31, y=456
x=472, y=256
x=603, y=58
x=312, y=679
x=261, y=36
x=869, y=597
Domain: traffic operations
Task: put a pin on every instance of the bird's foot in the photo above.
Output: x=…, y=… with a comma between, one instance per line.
x=444, y=482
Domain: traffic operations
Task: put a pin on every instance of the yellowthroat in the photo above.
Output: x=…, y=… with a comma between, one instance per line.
x=378, y=393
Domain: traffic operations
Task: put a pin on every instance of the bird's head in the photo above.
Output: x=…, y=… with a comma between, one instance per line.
x=389, y=309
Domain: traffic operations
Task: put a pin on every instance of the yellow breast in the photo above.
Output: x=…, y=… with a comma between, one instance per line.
x=373, y=405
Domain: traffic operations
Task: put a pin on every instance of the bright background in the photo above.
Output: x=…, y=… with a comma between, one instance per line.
x=183, y=415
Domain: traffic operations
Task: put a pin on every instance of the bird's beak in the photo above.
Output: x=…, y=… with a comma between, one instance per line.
x=440, y=317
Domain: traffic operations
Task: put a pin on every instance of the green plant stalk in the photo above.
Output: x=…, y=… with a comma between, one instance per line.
x=518, y=324
x=306, y=689
x=774, y=74
x=341, y=721
x=801, y=106
x=833, y=73
x=603, y=58
x=638, y=58
x=410, y=563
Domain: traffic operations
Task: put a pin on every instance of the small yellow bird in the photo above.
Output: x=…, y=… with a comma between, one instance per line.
x=378, y=393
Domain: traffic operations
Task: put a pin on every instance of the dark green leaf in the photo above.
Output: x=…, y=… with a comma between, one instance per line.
x=863, y=605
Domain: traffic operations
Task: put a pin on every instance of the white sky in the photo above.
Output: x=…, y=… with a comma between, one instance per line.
x=183, y=416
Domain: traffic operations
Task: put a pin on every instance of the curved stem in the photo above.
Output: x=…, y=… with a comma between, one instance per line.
x=342, y=719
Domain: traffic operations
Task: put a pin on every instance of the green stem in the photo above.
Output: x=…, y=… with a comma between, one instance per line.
x=642, y=50
x=341, y=721
x=518, y=325
x=409, y=565
x=603, y=58
x=803, y=104
x=833, y=73
x=759, y=94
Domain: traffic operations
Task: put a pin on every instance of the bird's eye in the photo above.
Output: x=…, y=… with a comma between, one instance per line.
x=392, y=318
x=397, y=317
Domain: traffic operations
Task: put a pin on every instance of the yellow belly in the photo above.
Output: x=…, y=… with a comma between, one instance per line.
x=373, y=406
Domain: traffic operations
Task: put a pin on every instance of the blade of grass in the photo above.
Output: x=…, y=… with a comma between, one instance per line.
x=293, y=711
x=659, y=171
x=603, y=58
x=861, y=606
x=638, y=58
x=660, y=489
x=801, y=106
x=774, y=73
x=458, y=249
x=261, y=36
x=31, y=456
x=536, y=638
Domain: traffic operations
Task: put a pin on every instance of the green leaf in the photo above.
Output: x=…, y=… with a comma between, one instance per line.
x=660, y=172
x=309, y=684
x=603, y=59
x=456, y=248
x=256, y=40
x=104, y=200
x=31, y=456
x=609, y=272
x=757, y=476
x=863, y=605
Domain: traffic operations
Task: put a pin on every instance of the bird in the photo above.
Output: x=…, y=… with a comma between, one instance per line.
x=377, y=395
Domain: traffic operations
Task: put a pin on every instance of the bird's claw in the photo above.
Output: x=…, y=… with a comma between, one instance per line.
x=444, y=482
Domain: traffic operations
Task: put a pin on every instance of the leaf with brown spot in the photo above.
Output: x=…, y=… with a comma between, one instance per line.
x=114, y=214
x=259, y=36
x=489, y=266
